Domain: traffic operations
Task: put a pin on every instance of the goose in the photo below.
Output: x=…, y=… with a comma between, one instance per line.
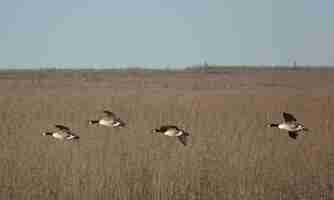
x=290, y=124
x=63, y=133
x=110, y=119
x=173, y=131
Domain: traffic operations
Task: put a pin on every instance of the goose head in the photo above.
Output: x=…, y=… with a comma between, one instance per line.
x=155, y=130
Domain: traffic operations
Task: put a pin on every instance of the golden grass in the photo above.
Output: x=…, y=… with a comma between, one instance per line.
x=231, y=153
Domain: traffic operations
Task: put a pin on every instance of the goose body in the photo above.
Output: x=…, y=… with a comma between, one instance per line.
x=290, y=124
x=63, y=133
x=110, y=120
x=173, y=131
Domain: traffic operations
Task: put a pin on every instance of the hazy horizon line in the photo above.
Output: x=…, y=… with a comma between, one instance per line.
x=149, y=67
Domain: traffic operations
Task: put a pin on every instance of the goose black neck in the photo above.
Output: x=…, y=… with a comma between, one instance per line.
x=273, y=125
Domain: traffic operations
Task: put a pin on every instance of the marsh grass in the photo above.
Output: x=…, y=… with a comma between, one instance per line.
x=231, y=153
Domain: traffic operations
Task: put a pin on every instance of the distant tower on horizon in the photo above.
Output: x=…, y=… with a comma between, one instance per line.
x=294, y=64
x=204, y=65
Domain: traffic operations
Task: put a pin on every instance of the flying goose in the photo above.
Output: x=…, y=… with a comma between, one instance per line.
x=110, y=119
x=290, y=124
x=63, y=133
x=173, y=131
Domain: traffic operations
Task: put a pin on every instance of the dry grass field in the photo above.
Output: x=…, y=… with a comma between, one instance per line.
x=231, y=153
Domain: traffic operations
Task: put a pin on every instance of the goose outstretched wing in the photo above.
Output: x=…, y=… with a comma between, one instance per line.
x=62, y=127
x=289, y=117
x=293, y=134
x=109, y=114
x=183, y=139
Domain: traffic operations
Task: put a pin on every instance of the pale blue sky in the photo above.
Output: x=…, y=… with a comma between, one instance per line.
x=160, y=32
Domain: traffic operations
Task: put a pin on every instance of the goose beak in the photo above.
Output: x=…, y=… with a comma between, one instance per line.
x=306, y=129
